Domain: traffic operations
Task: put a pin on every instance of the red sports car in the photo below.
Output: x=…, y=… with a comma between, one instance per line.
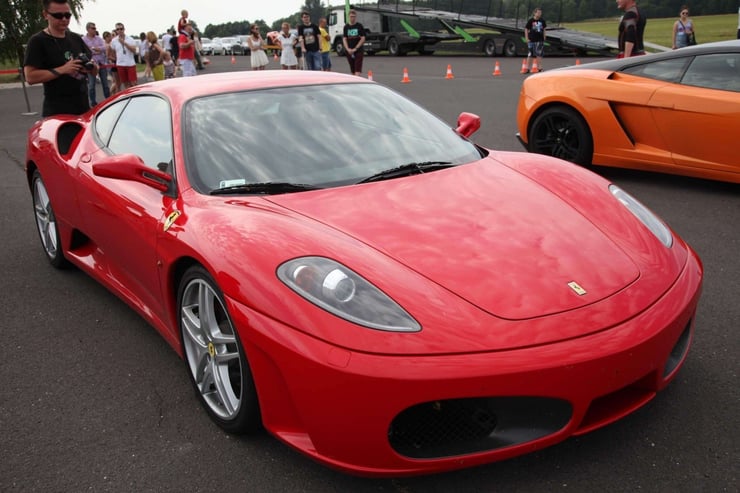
x=335, y=263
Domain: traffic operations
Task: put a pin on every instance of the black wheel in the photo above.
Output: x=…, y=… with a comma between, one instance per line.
x=339, y=47
x=510, y=47
x=46, y=223
x=561, y=132
x=489, y=47
x=214, y=354
x=393, y=47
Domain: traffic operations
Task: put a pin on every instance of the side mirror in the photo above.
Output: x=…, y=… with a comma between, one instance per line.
x=467, y=124
x=131, y=167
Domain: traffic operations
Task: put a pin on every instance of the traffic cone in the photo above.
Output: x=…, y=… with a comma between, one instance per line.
x=524, y=66
x=578, y=61
x=535, y=68
x=497, y=70
x=233, y=60
x=369, y=75
x=405, y=79
x=449, y=73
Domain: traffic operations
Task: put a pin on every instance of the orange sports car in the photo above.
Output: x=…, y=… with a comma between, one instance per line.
x=674, y=112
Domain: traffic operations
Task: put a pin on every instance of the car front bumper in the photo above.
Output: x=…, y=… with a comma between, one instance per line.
x=380, y=415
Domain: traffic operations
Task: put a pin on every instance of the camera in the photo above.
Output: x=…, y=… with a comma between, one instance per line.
x=86, y=62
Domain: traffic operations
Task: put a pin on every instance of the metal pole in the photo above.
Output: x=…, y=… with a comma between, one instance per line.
x=25, y=94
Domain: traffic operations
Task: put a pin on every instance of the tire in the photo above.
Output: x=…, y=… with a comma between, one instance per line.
x=561, y=132
x=489, y=47
x=46, y=223
x=216, y=360
x=339, y=47
x=393, y=48
x=510, y=48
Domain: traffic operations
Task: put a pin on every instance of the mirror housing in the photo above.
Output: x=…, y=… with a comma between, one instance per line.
x=467, y=124
x=131, y=167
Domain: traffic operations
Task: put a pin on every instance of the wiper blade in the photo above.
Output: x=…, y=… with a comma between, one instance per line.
x=269, y=188
x=407, y=169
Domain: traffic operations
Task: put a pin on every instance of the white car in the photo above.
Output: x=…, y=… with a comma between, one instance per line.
x=228, y=45
x=212, y=47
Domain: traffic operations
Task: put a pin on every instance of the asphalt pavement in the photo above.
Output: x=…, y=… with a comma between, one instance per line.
x=93, y=399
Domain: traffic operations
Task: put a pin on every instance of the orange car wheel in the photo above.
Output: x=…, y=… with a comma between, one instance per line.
x=561, y=132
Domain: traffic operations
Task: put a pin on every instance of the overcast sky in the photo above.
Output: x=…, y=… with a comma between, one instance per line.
x=158, y=15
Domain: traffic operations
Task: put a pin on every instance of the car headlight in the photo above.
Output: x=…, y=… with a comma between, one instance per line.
x=342, y=292
x=650, y=220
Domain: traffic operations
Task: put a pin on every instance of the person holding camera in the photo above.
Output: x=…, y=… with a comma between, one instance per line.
x=60, y=60
x=125, y=48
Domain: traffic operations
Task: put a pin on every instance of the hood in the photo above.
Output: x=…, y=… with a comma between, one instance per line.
x=482, y=231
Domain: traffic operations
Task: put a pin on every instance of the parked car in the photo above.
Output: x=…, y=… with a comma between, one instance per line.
x=241, y=48
x=674, y=112
x=394, y=300
x=213, y=47
x=203, y=42
x=229, y=44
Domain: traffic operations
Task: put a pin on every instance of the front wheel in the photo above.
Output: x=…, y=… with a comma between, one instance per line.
x=489, y=47
x=393, y=48
x=339, y=47
x=46, y=223
x=561, y=132
x=214, y=354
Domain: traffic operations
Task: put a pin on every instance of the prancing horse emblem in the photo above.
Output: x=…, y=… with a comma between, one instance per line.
x=577, y=288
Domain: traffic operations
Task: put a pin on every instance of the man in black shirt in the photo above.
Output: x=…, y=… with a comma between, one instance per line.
x=53, y=57
x=308, y=34
x=631, y=29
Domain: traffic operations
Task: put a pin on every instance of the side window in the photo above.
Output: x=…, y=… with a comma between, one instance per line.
x=106, y=119
x=719, y=71
x=144, y=129
x=666, y=70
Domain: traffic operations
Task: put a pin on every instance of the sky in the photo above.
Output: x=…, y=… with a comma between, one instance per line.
x=158, y=15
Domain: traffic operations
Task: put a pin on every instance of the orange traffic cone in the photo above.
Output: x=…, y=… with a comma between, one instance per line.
x=535, y=68
x=578, y=61
x=497, y=70
x=449, y=73
x=369, y=75
x=405, y=79
x=524, y=66
x=233, y=60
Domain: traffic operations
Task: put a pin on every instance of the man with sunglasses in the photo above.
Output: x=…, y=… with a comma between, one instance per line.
x=57, y=57
x=125, y=48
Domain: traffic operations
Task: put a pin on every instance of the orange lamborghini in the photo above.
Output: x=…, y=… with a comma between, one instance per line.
x=674, y=112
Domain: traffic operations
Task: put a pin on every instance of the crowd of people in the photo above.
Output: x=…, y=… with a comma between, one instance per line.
x=70, y=65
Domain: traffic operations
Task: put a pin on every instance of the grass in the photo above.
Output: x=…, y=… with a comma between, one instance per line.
x=660, y=31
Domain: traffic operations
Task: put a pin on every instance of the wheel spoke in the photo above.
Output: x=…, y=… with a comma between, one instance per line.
x=224, y=389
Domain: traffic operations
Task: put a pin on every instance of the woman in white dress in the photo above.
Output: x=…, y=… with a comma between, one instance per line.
x=287, y=42
x=256, y=48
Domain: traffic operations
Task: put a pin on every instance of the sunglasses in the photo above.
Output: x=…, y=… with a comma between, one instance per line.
x=60, y=15
x=684, y=13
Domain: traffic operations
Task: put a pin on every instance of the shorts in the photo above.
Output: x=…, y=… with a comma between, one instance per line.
x=127, y=74
x=536, y=48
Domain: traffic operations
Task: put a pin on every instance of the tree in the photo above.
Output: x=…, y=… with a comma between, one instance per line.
x=19, y=20
x=316, y=8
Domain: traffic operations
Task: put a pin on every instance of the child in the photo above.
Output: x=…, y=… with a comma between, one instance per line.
x=169, y=66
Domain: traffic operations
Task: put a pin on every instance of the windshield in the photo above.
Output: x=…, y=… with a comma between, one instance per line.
x=317, y=136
